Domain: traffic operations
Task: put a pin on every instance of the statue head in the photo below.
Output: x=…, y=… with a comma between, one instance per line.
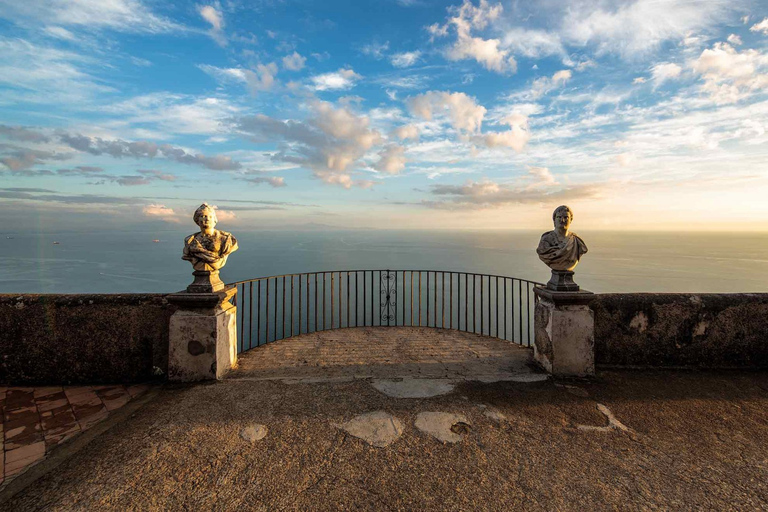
x=562, y=217
x=205, y=216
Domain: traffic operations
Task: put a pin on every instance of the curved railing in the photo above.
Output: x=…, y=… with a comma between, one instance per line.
x=277, y=307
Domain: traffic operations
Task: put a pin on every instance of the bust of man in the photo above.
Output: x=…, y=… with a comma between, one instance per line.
x=208, y=250
x=560, y=248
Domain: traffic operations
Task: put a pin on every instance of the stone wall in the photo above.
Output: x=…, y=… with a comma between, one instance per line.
x=83, y=339
x=681, y=330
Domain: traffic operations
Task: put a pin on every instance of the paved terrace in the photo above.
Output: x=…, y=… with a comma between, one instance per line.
x=330, y=429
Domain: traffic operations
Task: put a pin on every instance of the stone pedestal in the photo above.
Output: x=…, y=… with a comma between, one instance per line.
x=203, y=336
x=564, y=333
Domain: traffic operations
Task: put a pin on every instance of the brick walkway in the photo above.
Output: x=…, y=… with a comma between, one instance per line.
x=386, y=352
x=35, y=420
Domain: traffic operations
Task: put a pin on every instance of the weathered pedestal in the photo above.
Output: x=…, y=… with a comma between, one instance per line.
x=203, y=336
x=564, y=333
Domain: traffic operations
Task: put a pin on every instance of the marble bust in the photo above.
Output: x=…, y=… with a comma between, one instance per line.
x=207, y=250
x=561, y=249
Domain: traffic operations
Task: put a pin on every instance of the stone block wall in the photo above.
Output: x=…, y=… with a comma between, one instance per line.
x=681, y=330
x=83, y=339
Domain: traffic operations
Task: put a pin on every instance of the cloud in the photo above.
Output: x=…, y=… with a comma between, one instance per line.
x=342, y=79
x=477, y=195
x=392, y=160
x=118, y=148
x=18, y=158
x=465, y=115
x=262, y=78
x=405, y=59
x=294, y=62
x=259, y=177
x=543, y=85
x=330, y=142
x=466, y=46
x=408, y=131
x=760, y=27
x=81, y=170
x=735, y=40
x=375, y=50
x=22, y=134
x=660, y=73
x=160, y=211
x=730, y=75
x=216, y=19
x=118, y=15
x=639, y=80
x=516, y=137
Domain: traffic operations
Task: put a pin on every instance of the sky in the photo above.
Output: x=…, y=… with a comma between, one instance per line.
x=398, y=114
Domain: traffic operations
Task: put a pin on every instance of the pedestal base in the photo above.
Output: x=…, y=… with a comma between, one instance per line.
x=206, y=281
x=562, y=281
x=203, y=336
x=564, y=342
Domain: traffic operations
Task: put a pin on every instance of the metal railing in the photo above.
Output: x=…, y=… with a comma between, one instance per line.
x=277, y=307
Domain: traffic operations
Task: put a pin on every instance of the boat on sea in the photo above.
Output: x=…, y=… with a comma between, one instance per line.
x=56, y=243
x=156, y=241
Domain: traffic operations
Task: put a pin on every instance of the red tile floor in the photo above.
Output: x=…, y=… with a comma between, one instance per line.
x=35, y=420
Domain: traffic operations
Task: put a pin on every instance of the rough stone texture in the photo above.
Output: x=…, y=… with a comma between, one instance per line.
x=378, y=428
x=203, y=344
x=78, y=339
x=387, y=352
x=414, y=388
x=682, y=330
x=700, y=444
x=564, y=339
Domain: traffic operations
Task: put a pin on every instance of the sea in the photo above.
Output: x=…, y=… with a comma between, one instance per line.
x=139, y=262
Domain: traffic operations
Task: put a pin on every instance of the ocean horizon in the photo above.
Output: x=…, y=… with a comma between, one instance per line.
x=150, y=261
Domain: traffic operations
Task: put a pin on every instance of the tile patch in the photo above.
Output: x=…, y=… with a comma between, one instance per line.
x=34, y=420
x=443, y=426
x=378, y=428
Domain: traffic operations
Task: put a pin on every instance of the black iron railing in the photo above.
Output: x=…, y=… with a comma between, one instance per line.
x=277, y=307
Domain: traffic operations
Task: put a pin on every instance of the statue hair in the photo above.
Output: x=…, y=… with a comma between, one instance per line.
x=201, y=209
x=561, y=208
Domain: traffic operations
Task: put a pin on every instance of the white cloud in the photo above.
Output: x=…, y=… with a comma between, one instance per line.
x=405, y=59
x=730, y=75
x=119, y=15
x=223, y=215
x=60, y=33
x=760, y=27
x=392, y=160
x=516, y=137
x=542, y=177
x=216, y=19
x=376, y=50
x=735, y=40
x=224, y=74
x=175, y=114
x=408, y=131
x=465, y=115
x=660, y=73
x=262, y=78
x=294, y=62
x=639, y=80
x=544, y=85
x=160, y=211
x=625, y=159
x=485, y=51
x=340, y=80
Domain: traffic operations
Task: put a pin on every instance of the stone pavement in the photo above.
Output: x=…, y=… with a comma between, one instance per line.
x=35, y=420
x=386, y=352
x=622, y=441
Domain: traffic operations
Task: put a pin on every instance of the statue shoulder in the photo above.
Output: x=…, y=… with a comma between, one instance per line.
x=189, y=239
x=547, y=235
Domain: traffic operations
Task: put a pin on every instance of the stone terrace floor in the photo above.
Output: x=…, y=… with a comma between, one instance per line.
x=390, y=352
x=36, y=420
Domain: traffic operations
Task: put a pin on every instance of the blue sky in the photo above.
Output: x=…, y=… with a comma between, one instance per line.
x=403, y=114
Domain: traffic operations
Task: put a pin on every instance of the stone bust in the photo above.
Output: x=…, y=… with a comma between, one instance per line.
x=560, y=248
x=208, y=250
